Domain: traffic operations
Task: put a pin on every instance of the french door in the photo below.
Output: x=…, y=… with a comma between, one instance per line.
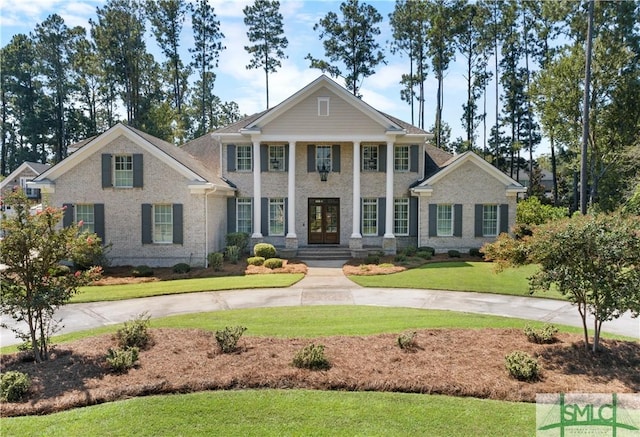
x=324, y=221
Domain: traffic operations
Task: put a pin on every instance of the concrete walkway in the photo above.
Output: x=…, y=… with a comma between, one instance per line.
x=325, y=284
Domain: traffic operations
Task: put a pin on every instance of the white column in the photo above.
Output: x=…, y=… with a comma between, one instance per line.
x=291, y=191
x=388, y=219
x=257, y=192
x=356, y=191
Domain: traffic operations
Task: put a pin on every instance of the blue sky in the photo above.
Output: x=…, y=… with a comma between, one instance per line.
x=246, y=87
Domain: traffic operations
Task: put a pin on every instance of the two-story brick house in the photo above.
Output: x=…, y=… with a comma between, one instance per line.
x=320, y=168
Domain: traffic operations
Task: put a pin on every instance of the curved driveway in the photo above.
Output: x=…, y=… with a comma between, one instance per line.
x=325, y=284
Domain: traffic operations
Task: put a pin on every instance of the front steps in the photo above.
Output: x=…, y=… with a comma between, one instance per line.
x=323, y=253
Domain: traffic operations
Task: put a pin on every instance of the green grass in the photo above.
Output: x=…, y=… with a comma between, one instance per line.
x=460, y=276
x=285, y=412
x=158, y=288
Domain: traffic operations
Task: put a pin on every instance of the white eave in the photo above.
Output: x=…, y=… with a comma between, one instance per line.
x=209, y=187
x=46, y=185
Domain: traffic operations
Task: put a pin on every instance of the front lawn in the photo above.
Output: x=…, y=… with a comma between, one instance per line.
x=459, y=276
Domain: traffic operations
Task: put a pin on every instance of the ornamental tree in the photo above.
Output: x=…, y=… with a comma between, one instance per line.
x=593, y=259
x=35, y=283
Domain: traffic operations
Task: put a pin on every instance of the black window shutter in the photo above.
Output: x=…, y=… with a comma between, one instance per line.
x=413, y=216
x=335, y=154
x=137, y=170
x=433, y=222
x=265, y=215
x=382, y=157
x=231, y=157
x=457, y=220
x=382, y=215
x=106, y=170
x=311, y=158
x=504, y=218
x=178, y=224
x=231, y=214
x=478, y=220
x=264, y=157
x=67, y=215
x=286, y=157
x=413, y=158
x=98, y=221
x=147, y=235
x=286, y=216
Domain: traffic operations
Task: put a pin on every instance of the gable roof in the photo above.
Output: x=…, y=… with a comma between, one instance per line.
x=35, y=167
x=173, y=156
x=457, y=161
x=256, y=121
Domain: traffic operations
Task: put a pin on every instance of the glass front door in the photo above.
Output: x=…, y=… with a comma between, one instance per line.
x=324, y=221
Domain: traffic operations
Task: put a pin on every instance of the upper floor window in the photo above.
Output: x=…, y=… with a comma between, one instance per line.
x=276, y=158
x=323, y=106
x=370, y=158
x=401, y=158
x=243, y=157
x=323, y=158
x=123, y=171
x=85, y=215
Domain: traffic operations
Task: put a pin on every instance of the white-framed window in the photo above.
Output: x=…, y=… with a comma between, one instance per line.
x=163, y=223
x=370, y=158
x=29, y=192
x=85, y=214
x=323, y=157
x=123, y=171
x=276, y=216
x=276, y=158
x=489, y=220
x=244, y=214
x=369, y=216
x=401, y=216
x=401, y=158
x=323, y=106
x=243, y=157
x=444, y=220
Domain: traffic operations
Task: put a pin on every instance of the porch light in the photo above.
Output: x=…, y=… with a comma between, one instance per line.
x=324, y=172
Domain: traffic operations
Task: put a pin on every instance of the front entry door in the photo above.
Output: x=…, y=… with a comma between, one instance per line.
x=324, y=221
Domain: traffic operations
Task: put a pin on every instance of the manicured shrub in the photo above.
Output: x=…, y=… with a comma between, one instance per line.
x=238, y=239
x=453, y=254
x=400, y=258
x=216, y=260
x=233, y=254
x=427, y=249
x=134, y=333
x=273, y=263
x=407, y=341
x=311, y=357
x=181, y=268
x=255, y=260
x=60, y=270
x=410, y=250
x=14, y=386
x=424, y=254
x=228, y=338
x=544, y=335
x=522, y=366
x=372, y=259
x=476, y=251
x=120, y=360
x=264, y=250
x=142, y=271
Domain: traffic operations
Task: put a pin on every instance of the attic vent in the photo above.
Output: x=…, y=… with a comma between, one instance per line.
x=323, y=106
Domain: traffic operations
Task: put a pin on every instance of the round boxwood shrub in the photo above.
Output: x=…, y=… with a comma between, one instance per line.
x=273, y=263
x=522, y=366
x=264, y=250
x=14, y=385
x=142, y=271
x=181, y=268
x=255, y=260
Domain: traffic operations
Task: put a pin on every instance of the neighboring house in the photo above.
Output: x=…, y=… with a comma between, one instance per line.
x=320, y=168
x=19, y=178
x=546, y=180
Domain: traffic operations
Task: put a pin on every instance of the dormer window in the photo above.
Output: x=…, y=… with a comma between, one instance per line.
x=323, y=106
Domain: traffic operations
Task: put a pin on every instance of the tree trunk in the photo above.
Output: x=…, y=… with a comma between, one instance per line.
x=554, y=171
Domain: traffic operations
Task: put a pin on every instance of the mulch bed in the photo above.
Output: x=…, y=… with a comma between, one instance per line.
x=454, y=362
